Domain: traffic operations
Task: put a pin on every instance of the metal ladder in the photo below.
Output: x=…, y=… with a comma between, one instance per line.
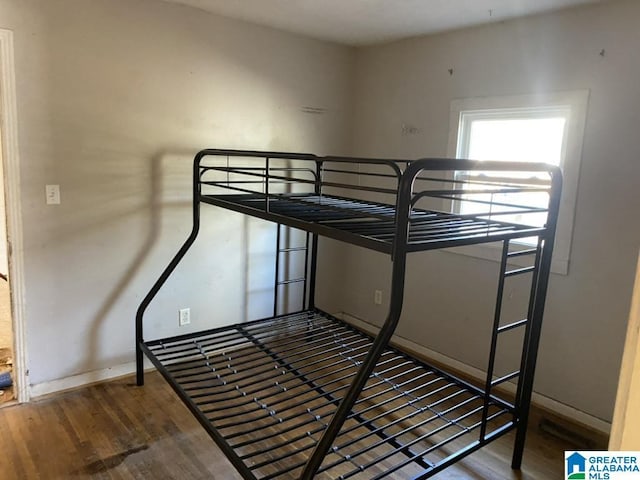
x=283, y=254
x=506, y=272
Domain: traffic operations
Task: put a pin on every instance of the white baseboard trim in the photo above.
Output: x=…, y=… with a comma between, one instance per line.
x=83, y=379
x=537, y=398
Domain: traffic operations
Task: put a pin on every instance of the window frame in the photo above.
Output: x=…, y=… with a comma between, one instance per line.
x=575, y=104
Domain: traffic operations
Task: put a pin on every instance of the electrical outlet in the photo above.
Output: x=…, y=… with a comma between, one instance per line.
x=377, y=297
x=184, y=316
x=52, y=193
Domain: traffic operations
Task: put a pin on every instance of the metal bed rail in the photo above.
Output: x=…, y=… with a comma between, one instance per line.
x=453, y=202
x=266, y=390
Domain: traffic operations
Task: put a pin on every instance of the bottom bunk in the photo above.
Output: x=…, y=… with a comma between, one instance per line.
x=266, y=390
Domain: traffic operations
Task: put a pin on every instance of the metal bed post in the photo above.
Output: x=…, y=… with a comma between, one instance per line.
x=276, y=296
x=169, y=269
x=494, y=338
x=532, y=334
x=313, y=267
x=305, y=292
x=532, y=297
x=398, y=257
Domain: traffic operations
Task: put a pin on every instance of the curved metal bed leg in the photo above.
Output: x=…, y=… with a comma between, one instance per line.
x=399, y=257
x=169, y=269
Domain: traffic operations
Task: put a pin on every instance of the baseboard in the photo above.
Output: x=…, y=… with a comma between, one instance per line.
x=538, y=400
x=72, y=382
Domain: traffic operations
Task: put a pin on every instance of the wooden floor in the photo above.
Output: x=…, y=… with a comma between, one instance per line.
x=120, y=431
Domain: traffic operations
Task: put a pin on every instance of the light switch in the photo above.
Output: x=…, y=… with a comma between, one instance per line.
x=52, y=193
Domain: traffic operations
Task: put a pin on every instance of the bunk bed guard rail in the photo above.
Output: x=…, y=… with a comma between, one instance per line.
x=395, y=207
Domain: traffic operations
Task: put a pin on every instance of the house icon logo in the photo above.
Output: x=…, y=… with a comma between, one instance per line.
x=576, y=467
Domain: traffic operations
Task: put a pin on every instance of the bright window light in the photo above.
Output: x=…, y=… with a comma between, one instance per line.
x=540, y=127
x=521, y=135
x=521, y=139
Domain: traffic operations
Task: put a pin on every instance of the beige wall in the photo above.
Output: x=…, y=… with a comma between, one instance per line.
x=114, y=97
x=409, y=82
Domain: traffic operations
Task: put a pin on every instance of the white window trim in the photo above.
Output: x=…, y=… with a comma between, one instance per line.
x=577, y=102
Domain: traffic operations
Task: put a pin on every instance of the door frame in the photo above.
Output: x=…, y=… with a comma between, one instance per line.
x=11, y=167
x=624, y=427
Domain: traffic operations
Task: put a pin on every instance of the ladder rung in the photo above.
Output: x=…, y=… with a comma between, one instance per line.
x=292, y=249
x=513, y=325
x=287, y=282
x=506, y=378
x=522, y=253
x=519, y=271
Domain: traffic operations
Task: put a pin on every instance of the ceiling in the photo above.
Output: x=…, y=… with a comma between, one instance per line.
x=368, y=22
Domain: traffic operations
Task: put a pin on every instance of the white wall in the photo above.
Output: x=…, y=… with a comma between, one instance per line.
x=409, y=82
x=114, y=98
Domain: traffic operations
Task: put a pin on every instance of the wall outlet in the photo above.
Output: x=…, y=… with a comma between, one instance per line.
x=52, y=193
x=184, y=316
x=377, y=297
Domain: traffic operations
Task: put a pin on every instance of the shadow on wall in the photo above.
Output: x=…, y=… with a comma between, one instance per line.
x=154, y=205
x=234, y=280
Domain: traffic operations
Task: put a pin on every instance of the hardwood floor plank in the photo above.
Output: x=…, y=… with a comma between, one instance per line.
x=17, y=428
x=116, y=430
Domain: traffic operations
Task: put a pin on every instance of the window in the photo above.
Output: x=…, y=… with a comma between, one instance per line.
x=538, y=128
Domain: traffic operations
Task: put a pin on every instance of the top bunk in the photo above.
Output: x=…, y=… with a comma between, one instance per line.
x=384, y=205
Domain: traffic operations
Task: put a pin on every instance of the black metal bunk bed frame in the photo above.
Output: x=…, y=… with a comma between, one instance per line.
x=304, y=394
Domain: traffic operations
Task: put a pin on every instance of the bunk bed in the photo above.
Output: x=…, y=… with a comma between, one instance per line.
x=304, y=394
